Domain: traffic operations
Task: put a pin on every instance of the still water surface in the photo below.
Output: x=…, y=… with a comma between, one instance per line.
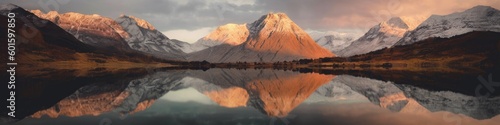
x=259, y=97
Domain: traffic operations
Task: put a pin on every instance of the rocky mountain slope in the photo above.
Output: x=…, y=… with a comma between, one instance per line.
x=93, y=30
x=231, y=34
x=125, y=34
x=274, y=37
x=383, y=35
x=334, y=41
x=479, y=18
x=142, y=36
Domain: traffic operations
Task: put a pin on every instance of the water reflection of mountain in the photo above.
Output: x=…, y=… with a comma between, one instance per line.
x=272, y=92
x=124, y=97
x=408, y=98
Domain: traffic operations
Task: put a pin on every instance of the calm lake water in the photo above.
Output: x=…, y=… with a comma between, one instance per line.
x=258, y=97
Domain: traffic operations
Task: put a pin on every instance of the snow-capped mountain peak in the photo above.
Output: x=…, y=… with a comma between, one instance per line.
x=273, y=22
x=334, y=41
x=273, y=37
x=396, y=22
x=479, y=18
x=145, y=38
x=405, y=22
x=93, y=30
x=383, y=35
x=230, y=34
x=140, y=22
x=233, y=34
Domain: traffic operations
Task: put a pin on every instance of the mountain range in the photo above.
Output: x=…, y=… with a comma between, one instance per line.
x=478, y=18
x=232, y=88
x=126, y=33
x=334, y=41
x=273, y=37
x=383, y=35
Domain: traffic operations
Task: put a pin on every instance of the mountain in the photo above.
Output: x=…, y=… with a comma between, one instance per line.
x=272, y=92
x=126, y=97
x=94, y=30
x=42, y=41
x=274, y=37
x=145, y=38
x=479, y=18
x=334, y=41
x=383, y=35
x=470, y=52
x=125, y=34
x=334, y=92
x=231, y=34
x=408, y=98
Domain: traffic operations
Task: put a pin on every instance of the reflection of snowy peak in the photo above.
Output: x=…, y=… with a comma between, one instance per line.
x=148, y=89
x=274, y=37
x=335, y=91
x=383, y=35
x=123, y=97
x=145, y=38
x=476, y=107
x=479, y=18
x=231, y=34
x=372, y=89
x=402, y=98
x=273, y=92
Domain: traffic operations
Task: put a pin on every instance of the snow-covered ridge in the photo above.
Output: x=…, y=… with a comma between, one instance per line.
x=274, y=22
x=334, y=41
x=479, y=18
x=141, y=22
x=401, y=98
x=145, y=38
x=231, y=34
x=94, y=29
x=124, y=33
x=383, y=35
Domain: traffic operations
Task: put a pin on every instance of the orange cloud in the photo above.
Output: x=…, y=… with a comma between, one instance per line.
x=364, y=15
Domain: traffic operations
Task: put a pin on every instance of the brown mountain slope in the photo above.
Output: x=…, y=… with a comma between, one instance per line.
x=94, y=30
x=274, y=37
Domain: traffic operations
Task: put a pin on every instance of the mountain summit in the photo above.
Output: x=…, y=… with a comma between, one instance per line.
x=94, y=30
x=145, y=38
x=333, y=40
x=274, y=37
x=478, y=18
x=383, y=35
x=232, y=34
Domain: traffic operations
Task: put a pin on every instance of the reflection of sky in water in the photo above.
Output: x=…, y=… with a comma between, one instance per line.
x=187, y=95
x=345, y=100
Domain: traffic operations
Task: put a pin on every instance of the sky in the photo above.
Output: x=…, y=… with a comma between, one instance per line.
x=189, y=20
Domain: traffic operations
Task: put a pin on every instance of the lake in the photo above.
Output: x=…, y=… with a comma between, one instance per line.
x=257, y=97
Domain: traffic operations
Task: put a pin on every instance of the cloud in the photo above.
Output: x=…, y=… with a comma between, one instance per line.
x=189, y=36
x=332, y=14
x=191, y=15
